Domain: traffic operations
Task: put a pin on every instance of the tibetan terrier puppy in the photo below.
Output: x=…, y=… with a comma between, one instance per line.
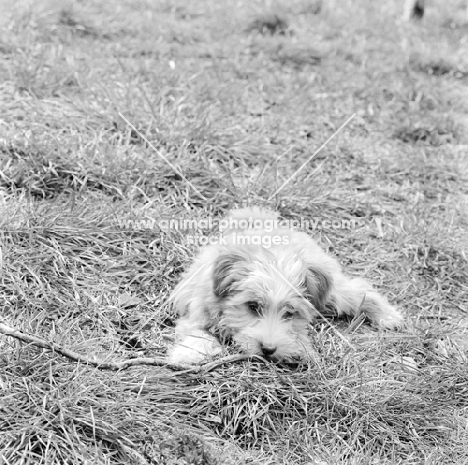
x=260, y=285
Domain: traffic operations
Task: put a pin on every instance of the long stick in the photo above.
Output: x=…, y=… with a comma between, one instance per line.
x=115, y=366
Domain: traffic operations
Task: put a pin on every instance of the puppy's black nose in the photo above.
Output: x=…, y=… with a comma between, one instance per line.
x=268, y=350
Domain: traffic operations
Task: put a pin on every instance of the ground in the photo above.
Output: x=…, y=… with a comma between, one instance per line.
x=118, y=114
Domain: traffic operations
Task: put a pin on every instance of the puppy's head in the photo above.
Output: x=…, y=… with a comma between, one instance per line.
x=266, y=300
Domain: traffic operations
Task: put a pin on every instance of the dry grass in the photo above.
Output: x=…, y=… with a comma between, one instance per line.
x=237, y=97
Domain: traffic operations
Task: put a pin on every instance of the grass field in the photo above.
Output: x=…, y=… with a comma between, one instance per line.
x=236, y=104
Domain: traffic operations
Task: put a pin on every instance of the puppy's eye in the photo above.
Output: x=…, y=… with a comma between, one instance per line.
x=289, y=315
x=254, y=306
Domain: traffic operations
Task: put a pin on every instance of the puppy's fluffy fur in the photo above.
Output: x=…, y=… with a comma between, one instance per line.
x=263, y=298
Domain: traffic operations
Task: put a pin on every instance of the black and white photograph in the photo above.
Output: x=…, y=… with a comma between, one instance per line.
x=234, y=232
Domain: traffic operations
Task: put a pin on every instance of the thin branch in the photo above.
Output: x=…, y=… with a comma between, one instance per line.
x=115, y=366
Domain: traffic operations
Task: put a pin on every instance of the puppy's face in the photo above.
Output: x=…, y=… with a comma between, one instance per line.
x=266, y=301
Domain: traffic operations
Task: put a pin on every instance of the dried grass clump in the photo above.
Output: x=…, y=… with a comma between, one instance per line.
x=438, y=133
x=297, y=55
x=269, y=23
x=439, y=66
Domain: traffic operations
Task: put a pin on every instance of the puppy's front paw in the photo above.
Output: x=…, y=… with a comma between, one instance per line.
x=185, y=355
x=389, y=318
x=194, y=349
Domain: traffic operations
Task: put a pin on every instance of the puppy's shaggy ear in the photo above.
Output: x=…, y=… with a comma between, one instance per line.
x=319, y=284
x=226, y=271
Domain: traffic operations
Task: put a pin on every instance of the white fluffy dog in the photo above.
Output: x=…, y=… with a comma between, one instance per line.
x=261, y=286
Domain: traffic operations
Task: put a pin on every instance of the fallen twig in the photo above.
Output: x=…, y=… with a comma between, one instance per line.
x=116, y=366
x=434, y=317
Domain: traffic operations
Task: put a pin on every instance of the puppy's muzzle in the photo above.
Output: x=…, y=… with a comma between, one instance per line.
x=267, y=350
